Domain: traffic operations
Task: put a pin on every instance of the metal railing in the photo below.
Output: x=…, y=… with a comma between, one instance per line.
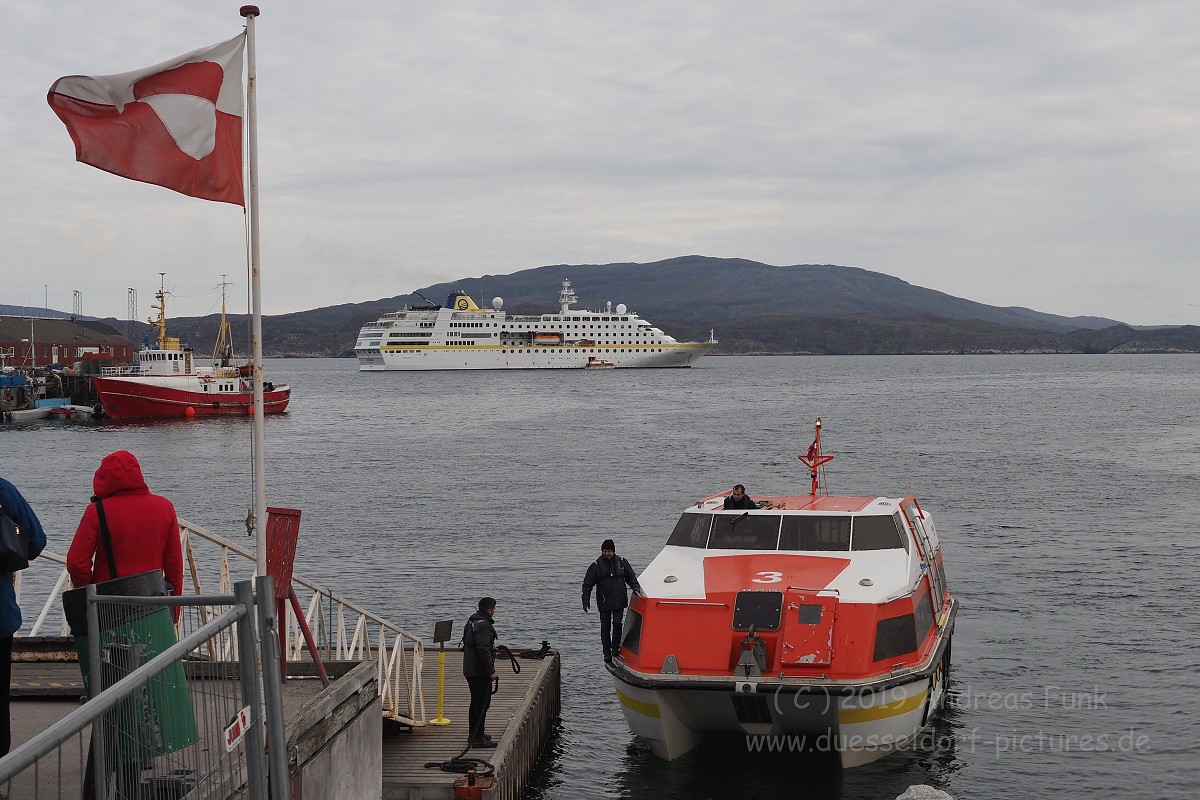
x=165, y=720
x=342, y=629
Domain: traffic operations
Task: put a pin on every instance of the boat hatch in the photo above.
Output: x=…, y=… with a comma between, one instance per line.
x=757, y=609
x=808, y=629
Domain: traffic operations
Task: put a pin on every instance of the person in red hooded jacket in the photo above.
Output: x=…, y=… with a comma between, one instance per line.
x=142, y=527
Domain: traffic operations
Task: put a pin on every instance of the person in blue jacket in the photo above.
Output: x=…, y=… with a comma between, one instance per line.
x=19, y=511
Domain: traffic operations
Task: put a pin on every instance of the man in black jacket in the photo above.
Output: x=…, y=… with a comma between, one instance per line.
x=609, y=574
x=479, y=668
x=739, y=499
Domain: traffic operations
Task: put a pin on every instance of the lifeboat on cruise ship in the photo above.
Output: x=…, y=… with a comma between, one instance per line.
x=822, y=620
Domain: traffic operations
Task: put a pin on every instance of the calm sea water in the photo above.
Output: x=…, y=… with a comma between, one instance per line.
x=1065, y=489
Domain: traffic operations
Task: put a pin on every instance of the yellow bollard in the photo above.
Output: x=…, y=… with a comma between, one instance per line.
x=441, y=685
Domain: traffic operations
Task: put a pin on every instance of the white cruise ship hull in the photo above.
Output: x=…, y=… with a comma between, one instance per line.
x=446, y=358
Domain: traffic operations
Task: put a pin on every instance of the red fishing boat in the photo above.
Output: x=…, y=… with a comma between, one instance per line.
x=822, y=620
x=166, y=383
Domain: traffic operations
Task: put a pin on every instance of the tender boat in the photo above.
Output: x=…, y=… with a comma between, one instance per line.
x=821, y=620
x=461, y=335
x=599, y=363
x=24, y=414
x=166, y=383
x=77, y=412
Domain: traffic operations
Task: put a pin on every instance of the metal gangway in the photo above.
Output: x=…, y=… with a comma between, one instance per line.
x=343, y=631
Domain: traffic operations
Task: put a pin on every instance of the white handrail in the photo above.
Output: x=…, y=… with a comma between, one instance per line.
x=400, y=654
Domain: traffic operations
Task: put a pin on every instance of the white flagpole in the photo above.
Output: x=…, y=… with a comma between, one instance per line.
x=259, y=439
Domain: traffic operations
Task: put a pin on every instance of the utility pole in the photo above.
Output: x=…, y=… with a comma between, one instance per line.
x=132, y=315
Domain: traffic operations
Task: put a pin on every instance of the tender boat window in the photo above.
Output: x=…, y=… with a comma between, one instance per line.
x=691, y=530
x=744, y=531
x=923, y=611
x=815, y=533
x=757, y=608
x=877, y=533
x=895, y=637
x=631, y=634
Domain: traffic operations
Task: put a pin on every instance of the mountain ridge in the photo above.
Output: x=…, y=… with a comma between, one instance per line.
x=754, y=307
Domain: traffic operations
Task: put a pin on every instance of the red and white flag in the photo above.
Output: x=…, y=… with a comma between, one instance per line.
x=177, y=124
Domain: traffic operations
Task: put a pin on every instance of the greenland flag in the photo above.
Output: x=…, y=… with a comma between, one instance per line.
x=177, y=124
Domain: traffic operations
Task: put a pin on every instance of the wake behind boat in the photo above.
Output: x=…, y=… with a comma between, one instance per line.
x=165, y=382
x=461, y=335
x=811, y=616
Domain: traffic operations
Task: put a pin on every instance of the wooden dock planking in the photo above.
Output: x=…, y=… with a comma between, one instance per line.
x=47, y=679
x=522, y=715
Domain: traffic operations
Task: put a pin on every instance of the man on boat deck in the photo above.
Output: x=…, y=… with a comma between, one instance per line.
x=609, y=574
x=739, y=499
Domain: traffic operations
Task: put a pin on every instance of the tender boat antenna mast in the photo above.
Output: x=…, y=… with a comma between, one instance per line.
x=814, y=460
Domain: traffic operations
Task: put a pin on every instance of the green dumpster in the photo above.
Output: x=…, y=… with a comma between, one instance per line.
x=157, y=719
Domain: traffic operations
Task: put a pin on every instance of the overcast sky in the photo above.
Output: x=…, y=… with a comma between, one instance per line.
x=1040, y=154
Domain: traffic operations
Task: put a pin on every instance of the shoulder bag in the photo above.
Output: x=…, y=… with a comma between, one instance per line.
x=14, y=545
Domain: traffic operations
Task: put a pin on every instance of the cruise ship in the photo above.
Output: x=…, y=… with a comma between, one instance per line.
x=461, y=335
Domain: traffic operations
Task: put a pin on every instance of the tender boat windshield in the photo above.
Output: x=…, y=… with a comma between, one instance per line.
x=879, y=533
x=744, y=531
x=691, y=531
x=815, y=533
x=739, y=530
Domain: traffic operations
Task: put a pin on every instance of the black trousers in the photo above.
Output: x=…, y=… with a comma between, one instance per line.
x=5, y=683
x=481, y=701
x=610, y=631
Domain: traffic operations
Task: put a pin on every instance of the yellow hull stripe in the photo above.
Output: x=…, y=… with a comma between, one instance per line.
x=850, y=716
x=639, y=706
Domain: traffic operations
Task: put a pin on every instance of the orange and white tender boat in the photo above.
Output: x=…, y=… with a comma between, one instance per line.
x=822, y=620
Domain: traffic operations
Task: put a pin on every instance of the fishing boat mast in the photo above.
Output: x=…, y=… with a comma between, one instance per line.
x=223, y=348
x=164, y=342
